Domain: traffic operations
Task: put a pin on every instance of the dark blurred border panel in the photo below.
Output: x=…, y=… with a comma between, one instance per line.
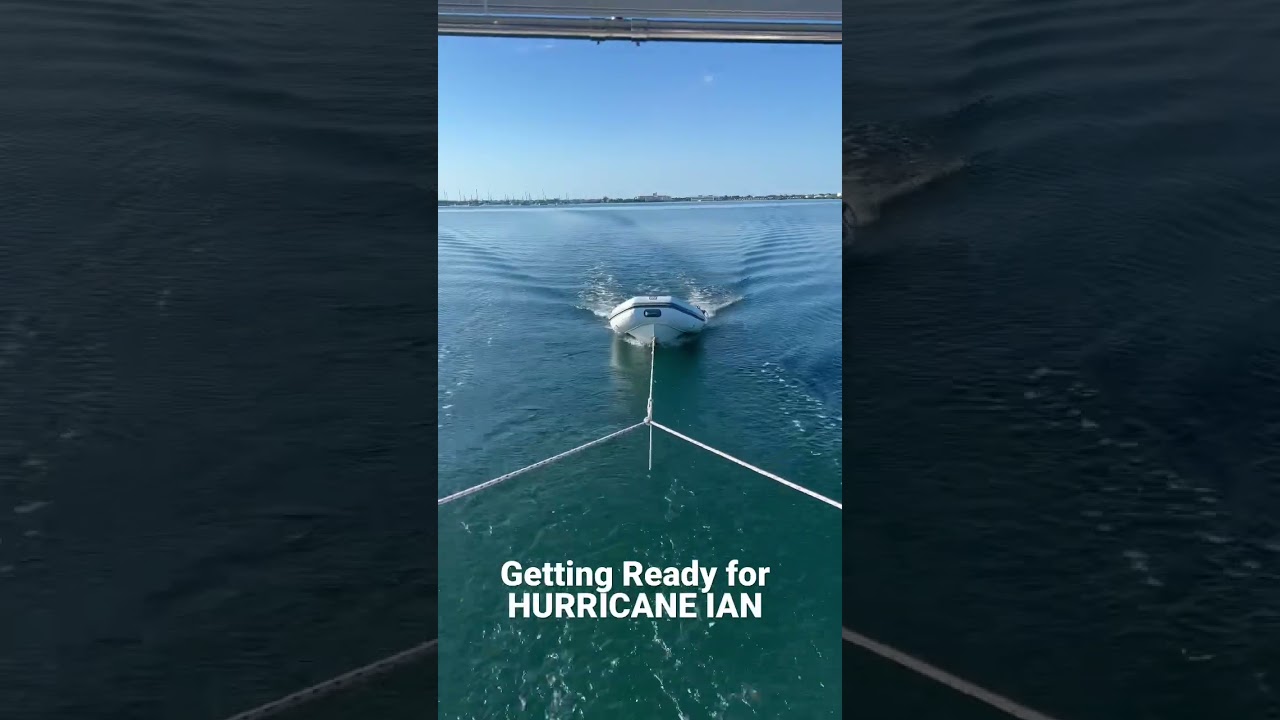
x=896, y=160
x=217, y=341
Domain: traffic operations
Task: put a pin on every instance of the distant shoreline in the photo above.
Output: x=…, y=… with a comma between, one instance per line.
x=637, y=201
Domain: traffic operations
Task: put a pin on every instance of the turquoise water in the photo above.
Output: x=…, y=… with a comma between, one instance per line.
x=529, y=368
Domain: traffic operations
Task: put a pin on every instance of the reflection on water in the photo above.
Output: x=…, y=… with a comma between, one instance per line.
x=556, y=376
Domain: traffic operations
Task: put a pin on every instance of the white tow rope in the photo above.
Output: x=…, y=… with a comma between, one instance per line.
x=490, y=483
x=382, y=666
x=648, y=417
x=648, y=420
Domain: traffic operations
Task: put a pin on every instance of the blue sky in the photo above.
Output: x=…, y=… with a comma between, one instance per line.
x=585, y=120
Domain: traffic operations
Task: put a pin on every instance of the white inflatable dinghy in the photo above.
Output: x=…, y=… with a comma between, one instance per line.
x=657, y=317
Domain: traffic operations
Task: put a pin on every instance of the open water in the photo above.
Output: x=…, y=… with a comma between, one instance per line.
x=1063, y=357
x=215, y=339
x=530, y=368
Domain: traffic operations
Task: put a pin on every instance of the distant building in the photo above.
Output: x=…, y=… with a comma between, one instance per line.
x=655, y=198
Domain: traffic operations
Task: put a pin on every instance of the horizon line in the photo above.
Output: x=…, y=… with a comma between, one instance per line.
x=531, y=197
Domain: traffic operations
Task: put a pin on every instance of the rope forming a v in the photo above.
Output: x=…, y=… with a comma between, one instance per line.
x=648, y=420
x=384, y=665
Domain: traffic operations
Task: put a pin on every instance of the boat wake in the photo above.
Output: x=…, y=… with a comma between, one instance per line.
x=713, y=302
x=603, y=291
x=882, y=166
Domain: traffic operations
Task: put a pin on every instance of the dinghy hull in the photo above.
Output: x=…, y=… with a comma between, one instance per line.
x=657, y=317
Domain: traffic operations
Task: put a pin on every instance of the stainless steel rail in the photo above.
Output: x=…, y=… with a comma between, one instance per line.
x=640, y=30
